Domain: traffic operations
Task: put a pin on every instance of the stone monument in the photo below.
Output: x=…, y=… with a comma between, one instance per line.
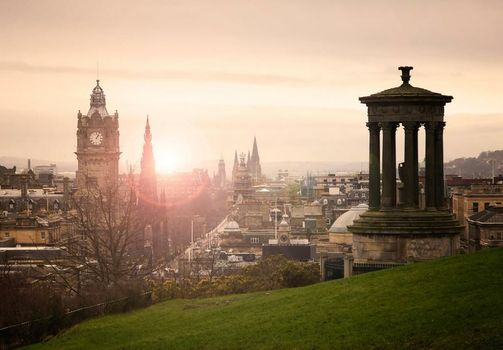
x=400, y=232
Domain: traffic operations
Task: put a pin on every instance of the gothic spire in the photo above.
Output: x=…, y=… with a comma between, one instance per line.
x=255, y=168
x=255, y=157
x=147, y=136
x=148, y=181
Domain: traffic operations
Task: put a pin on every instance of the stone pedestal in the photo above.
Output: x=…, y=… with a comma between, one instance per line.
x=404, y=236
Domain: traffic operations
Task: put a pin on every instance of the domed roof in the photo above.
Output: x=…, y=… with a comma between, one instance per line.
x=284, y=223
x=98, y=102
x=341, y=224
x=232, y=226
x=405, y=92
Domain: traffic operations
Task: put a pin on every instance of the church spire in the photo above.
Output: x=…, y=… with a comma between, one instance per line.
x=254, y=164
x=147, y=136
x=235, y=166
x=148, y=181
x=255, y=157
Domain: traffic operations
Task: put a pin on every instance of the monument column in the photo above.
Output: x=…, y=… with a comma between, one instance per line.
x=411, y=167
x=430, y=165
x=374, y=166
x=388, y=200
x=439, y=166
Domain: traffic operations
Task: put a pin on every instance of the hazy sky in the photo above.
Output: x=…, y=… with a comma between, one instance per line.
x=212, y=74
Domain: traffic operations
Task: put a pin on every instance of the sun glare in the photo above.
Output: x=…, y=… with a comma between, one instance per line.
x=167, y=162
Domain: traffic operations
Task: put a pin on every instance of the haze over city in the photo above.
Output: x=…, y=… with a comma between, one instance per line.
x=251, y=174
x=212, y=75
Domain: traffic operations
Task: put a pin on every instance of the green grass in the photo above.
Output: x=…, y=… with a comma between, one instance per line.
x=451, y=303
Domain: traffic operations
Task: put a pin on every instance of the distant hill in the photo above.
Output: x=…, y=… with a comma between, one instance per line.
x=451, y=303
x=477, y=167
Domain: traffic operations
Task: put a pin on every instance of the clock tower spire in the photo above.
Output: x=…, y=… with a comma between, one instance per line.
x=97, y=144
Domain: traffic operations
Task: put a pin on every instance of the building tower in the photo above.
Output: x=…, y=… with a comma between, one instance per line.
x=242, y=186
x=221, y=177
x=97, y=144
x=235, y=167
x=148, y=181
x=398, y=230
x=254, y=164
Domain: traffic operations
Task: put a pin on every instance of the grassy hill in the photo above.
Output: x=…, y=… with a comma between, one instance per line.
x=449, y=303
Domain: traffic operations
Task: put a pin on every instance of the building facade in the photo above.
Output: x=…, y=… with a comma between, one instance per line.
x=472, y=200
x=485, y=229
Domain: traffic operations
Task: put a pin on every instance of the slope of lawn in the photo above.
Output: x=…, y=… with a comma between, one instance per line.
x=450, y=303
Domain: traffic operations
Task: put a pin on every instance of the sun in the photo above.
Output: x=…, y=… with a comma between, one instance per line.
x=167, y=162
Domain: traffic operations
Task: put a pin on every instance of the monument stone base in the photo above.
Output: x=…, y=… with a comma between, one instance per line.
x=404, y=236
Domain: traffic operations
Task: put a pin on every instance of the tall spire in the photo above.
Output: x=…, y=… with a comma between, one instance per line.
x=254, y=164
x=255, y=157
x=235, y=166
x=148, y=181
x=147, y=136
x=221, y=176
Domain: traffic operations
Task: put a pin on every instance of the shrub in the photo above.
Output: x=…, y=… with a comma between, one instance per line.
x=270, y=273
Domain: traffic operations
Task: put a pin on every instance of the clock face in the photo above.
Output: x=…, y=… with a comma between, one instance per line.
x=96, y=138
x=283, y=238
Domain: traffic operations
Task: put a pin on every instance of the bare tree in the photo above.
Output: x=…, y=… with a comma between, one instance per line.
x=106, y=249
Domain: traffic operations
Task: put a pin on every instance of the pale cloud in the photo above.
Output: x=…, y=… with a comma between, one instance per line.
x=212, y=74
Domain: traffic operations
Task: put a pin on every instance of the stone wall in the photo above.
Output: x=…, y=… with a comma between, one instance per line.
x=403, y=248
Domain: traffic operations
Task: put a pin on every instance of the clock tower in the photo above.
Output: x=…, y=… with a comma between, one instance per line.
x=97, y=144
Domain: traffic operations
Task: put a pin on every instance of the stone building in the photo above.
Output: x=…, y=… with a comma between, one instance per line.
x=34, y=200
x=242, y=182
x=485, y=228
x=97, y=144
x=309, y=217
x=220, y=179
x=472, y=200
x=32, y=230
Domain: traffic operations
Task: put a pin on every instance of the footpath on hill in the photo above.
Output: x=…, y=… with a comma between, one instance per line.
x=450, y=303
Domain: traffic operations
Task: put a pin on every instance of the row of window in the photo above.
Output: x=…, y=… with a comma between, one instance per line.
x=7, y=235
x=496, y=236
x=475, y=206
